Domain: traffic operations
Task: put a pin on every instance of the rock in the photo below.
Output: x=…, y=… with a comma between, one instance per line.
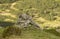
x=24, y=20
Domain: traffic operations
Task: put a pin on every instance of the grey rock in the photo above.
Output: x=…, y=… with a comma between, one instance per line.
x=24, y=20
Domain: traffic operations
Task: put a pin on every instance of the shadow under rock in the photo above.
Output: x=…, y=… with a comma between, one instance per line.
x=5, y=24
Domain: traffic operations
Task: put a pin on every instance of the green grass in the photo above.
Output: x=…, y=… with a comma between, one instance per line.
x=46, y=9
x=32, y=33
x=37, y=34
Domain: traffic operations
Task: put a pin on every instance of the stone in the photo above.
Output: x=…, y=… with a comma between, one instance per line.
x=24, y=20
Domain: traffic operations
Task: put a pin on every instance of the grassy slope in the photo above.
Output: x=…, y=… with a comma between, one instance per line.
x=15, y=9
x=30, y=33
x=42, y=11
